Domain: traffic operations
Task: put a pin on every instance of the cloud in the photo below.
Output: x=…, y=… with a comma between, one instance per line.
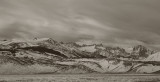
x=92, y=22
x=123, y=22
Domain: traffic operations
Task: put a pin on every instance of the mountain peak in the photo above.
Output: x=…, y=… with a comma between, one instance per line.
x=139, y=47
x=141, y=51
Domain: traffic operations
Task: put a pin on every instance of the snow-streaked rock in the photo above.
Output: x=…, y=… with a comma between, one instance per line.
x=153, y=57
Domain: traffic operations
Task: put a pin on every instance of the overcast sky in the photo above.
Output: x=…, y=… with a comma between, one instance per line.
x=111, y=21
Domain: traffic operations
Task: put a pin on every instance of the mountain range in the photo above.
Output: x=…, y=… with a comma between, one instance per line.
x=45, y=55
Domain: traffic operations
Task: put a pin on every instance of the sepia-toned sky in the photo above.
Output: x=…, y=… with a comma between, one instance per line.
x=124, y=22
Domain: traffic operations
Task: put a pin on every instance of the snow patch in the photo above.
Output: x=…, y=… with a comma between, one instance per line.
x=148, y=69
x=153, y=57
x=88, y=48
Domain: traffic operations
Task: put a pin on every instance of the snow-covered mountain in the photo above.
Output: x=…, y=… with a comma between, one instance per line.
x=60, y=57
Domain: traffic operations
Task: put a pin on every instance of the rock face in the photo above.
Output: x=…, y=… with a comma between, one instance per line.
x=141, y=51
x=59, y=57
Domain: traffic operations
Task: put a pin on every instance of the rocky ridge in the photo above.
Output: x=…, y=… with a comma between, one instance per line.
x=58, y=57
